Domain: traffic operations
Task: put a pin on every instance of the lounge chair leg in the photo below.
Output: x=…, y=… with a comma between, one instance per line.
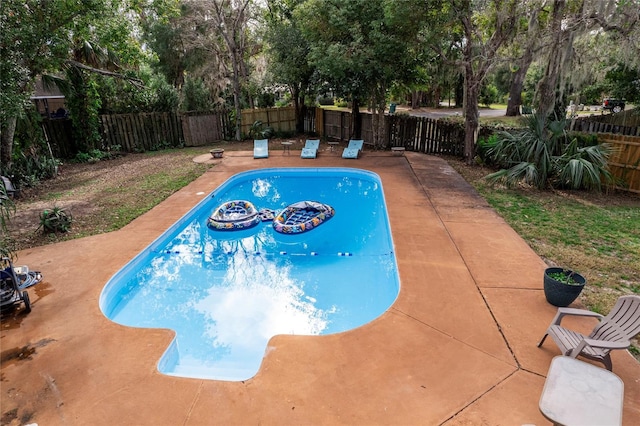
x=607, y=362
x=542, y=341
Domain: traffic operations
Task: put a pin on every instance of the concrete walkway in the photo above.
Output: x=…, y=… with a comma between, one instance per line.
x=458, y=347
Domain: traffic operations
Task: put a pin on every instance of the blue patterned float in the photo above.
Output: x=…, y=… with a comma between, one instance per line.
x=302, y=216
x=234, y=215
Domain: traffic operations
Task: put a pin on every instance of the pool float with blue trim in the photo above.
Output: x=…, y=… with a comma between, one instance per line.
x=302, y=216
x=234, y=215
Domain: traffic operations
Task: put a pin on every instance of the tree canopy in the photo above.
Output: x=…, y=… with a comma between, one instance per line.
x=227, y=52
x=362, y=47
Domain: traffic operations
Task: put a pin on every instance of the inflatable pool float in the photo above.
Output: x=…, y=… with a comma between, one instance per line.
x=234, y=215
x=302, y=216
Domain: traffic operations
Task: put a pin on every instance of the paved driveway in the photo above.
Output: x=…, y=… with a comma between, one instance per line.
x=448, y=112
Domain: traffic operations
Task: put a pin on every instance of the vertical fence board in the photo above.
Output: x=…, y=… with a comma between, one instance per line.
x=624, y=163
x=279, y=119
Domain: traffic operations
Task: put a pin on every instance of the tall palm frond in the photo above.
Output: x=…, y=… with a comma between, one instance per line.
x=541, y=155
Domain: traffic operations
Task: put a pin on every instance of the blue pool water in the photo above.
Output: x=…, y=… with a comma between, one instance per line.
x=226, y=293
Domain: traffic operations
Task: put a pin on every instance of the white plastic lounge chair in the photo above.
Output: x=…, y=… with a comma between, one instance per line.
x=260, y=148
x=310, y=149
x=613, y=332
x=353, y=149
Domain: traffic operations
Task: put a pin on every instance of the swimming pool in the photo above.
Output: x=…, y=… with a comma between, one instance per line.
x=226, y=293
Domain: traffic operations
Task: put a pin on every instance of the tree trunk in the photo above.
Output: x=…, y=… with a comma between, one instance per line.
x=515, y=91
x=378, y=103
x=459, y=92
x=471, y=122
x=531, y=42
x=7, y=131
x=299, y=107
x=415, y=99
x=237, y=91
x=437, y=96
x=546, y=93
x=236, y=106
x=357, y=119
x=231, y=27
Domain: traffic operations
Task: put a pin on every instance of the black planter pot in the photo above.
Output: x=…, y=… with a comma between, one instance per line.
x=560, y=293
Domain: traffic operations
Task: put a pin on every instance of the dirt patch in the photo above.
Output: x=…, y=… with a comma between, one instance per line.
x=87, y=192
x=94, y=192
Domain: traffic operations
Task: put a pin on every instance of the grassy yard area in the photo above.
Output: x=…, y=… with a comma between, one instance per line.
x=104, y=196
x=597, y=235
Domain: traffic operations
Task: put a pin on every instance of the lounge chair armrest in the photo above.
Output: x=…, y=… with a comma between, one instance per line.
x=622, y=344
x=562, y=312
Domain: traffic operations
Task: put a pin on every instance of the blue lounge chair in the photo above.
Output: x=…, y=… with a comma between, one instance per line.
x=310, y=149
x=353, y=149
x=260, y=148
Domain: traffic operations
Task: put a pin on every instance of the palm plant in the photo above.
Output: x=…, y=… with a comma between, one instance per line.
x=583, y=167
x=542, y=155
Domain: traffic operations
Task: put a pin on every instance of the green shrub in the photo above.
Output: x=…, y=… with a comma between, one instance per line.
x=265, y=100
x=484, y=145
x=259, y=131
x=7, y=210
x=542, y=155
x=339, y=102
x=95, y=155
x=55, y=220
x=195, y=96
x=32, y=160
x=488, y=95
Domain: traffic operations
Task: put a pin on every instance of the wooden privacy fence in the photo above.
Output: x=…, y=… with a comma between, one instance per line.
x=624, y=163
x=280, y=119
x=202, y=128
x=138, y=132
x=336, y=124
x=427, y=135
x=624, y=123
x=419, y=134
x=141, y=131
x=592, y=126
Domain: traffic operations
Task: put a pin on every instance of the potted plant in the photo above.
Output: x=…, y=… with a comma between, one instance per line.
x=562, y=286
x=217, y=152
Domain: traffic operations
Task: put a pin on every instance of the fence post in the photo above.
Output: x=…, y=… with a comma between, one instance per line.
x=320, y=121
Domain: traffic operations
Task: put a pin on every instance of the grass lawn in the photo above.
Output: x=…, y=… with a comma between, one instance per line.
x=597, y=235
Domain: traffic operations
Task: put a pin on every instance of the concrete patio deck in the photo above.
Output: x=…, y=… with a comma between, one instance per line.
x=458, y=347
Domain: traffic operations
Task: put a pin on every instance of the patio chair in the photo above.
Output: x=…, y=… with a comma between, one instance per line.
x=310, y=149
x=9, y=189
x=261, y=148
x=613, y=332
x=353, y=149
